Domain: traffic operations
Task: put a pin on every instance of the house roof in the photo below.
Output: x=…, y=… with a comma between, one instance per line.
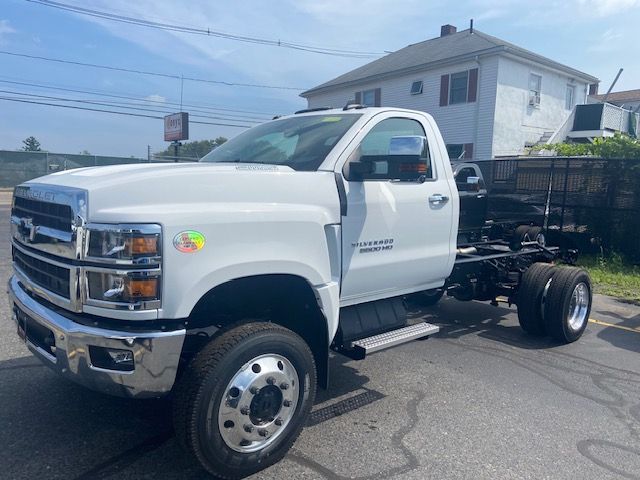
x=451, y=48
x=625, y=96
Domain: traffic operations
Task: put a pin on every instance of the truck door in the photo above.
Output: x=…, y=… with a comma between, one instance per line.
x=398, y=234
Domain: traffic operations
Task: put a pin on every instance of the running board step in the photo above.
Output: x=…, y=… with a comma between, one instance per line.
x=365, y=346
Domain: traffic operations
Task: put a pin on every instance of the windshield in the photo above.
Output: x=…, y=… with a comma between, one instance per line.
x=301, y=143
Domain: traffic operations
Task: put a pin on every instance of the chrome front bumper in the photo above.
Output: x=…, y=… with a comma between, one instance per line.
x=155, y=353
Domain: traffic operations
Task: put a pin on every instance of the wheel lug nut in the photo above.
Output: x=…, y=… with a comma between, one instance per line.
x=284, y=385
x=254, y=390
x=263, y=433
x=278, y=421
x=248, y=428
x=271, y=380
x=286, y=403
x=244, y=410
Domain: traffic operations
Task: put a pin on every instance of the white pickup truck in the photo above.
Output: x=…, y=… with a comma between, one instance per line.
x=228, y=282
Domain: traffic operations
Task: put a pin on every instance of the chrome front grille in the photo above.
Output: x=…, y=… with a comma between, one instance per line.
x=44, y=214
x=47, y=223
x=51, y=277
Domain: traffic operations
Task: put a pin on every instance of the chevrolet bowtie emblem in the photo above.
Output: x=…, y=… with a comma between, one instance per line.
x=28, y=229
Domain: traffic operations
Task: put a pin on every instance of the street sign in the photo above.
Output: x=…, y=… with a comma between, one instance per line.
x=176, y=127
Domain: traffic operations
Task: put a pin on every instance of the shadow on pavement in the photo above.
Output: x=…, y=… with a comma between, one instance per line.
x=457, y=319
x=53, y=428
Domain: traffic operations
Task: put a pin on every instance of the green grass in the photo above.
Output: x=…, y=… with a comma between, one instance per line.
x=612, y=276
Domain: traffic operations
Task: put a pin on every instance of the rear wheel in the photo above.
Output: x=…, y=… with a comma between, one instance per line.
x=245, y=398
x=531, y=297
x=568, y=304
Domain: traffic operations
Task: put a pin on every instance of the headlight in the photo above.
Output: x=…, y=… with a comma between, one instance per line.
x=124, y=244
x=129, y=272
x=132, y=290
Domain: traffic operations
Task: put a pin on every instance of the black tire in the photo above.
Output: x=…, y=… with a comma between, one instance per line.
x=518, y=237
x=530, y=297
x=560, y=301
x=536, y=234
x=428, y=298
x=527, y=233
x=202, y=392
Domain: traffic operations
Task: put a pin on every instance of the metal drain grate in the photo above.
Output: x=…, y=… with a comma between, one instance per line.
x=344, y=406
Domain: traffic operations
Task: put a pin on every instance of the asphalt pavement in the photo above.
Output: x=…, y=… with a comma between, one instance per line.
x=480, y=400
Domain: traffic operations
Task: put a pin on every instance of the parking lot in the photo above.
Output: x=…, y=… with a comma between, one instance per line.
x=480, y=400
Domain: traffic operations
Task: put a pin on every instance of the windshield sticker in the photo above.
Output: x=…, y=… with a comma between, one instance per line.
x=188, y=241
x=331, y=119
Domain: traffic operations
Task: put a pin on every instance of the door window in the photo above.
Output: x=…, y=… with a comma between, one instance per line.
x=375, y=147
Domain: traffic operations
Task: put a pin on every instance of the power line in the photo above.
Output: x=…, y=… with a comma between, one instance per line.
x=130, y=114
x=147, y=103
x=113, y=104
x=130, y=96
x=145, y=72
x=206, y=32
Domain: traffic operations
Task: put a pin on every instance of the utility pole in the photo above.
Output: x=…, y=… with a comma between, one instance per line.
x=149, y=153
x=175, y=144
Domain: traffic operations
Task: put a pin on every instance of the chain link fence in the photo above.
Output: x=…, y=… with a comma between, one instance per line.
x=594, y=200
x=18, y=166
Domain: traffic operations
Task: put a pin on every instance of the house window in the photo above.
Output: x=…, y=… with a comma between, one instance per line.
x=458, y=87
x=416, y=87
x=369, y=98
x=569, y=97
x=535, y=86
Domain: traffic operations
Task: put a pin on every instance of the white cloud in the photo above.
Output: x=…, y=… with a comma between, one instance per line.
x=156, y=98
x=605, y=8
x=5, y=29
x=610, y=40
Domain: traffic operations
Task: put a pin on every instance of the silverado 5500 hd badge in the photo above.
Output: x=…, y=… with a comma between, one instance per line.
x=371, y=246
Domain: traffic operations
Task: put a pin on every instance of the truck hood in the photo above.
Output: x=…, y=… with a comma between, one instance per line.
x=149, y=192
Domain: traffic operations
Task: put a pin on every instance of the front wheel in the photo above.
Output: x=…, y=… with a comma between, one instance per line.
x=244, y=399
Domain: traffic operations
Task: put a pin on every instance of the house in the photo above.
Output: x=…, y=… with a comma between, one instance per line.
x=489, y=97
x=628, y=99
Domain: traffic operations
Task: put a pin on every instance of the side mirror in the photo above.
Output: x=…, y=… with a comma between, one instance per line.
x=360, y=170
x=473, y=184
x=413, y=145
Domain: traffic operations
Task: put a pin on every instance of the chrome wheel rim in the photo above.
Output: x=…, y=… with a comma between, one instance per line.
x=578, y=307
x=258, y=403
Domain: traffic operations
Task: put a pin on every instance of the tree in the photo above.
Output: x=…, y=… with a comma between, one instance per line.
x=196, y=149
x=31, y=144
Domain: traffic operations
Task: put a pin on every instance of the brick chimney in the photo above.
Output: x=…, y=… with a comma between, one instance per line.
x=447, y=30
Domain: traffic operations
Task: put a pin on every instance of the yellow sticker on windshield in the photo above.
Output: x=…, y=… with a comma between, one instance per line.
x=331, y=119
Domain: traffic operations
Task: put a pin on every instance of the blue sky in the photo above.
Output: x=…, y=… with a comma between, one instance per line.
x=595, y=36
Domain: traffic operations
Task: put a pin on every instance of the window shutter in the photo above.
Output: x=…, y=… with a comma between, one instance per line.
x=378, y=95
x=358, y=98
x=472, y=93
x=468, y=150
x=444, y=90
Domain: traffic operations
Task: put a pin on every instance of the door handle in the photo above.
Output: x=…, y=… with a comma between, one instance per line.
x=438, y=199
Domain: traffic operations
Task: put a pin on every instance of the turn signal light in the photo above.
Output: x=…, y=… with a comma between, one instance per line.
x=143, y=245
x=138, y=288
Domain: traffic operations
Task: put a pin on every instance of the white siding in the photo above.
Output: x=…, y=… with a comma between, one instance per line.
x=460, y=123
x=516, y=122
